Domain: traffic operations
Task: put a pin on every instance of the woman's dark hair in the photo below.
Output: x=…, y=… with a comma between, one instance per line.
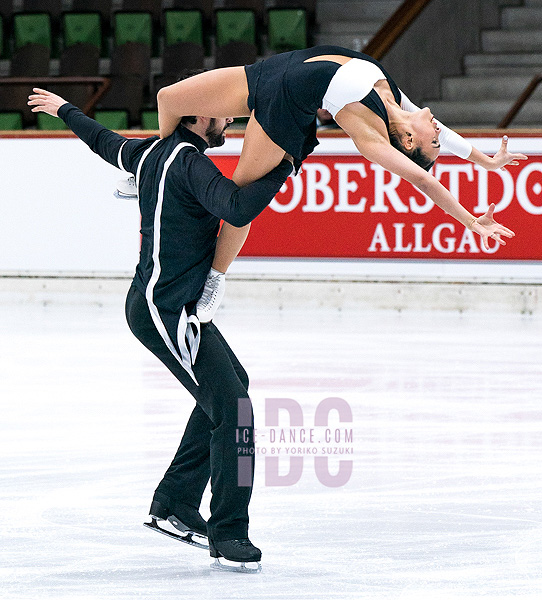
x=185, y=74
x=416, y=154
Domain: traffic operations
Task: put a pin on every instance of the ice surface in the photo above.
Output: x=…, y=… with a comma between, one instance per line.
x=444, y=501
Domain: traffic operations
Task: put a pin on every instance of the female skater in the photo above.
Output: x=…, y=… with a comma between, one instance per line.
x=282, y=94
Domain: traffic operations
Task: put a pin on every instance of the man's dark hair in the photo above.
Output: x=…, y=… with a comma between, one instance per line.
x=185, y=74
x=416, y=154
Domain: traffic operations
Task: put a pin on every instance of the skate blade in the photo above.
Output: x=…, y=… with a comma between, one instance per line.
x=186, y=538
x=252, y=568
x=122, y=196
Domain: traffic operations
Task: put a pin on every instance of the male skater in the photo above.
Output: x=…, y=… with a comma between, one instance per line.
x=182, y=198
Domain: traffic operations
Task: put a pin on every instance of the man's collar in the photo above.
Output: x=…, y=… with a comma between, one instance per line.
x=192, y=137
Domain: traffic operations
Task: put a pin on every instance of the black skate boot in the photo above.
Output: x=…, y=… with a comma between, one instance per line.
x=237, y=551
x=183, y=518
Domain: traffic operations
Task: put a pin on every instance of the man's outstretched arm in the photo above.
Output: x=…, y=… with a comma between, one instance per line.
x=98, y=138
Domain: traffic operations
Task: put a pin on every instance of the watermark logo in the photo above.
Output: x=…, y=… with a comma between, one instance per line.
x=288, y=450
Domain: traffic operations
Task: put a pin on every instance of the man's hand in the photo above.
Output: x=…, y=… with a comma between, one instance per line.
x=487, y=227
x=44, y=101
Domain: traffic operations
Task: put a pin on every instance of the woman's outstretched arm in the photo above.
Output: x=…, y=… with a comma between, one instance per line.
x=373, y=144
x=501, y=160
x=453, y=142
x=392, y=160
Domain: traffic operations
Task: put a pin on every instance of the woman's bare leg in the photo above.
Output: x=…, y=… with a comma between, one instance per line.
x=228, y=245
x=259, y=156
x=219, y=93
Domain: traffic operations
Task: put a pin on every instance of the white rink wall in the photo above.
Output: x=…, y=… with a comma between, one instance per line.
x=260, y=290
x=67, y=239
x=57, y=199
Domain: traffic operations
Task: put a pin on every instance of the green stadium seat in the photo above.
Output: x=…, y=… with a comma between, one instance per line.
x=112, y=119
x=287, y=30
x=48, y=123
x=183, y=26
x=149, y=120
x=10, y=121
x=82, y=28
x=235, y=26
x=133, y=27
x=32, y=29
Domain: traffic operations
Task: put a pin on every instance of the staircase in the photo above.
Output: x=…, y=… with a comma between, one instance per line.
x=494, y=78
x=352, y=24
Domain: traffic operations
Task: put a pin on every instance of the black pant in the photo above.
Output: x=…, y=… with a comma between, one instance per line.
x=218, y=439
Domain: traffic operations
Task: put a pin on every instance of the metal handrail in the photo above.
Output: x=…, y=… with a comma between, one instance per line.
x=102, y=85
x=394, y=27
x=523, y=97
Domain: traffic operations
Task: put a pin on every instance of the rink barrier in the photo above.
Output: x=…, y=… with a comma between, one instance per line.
x=295, y=293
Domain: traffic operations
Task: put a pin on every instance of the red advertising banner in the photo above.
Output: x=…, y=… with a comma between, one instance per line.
x=344, y=206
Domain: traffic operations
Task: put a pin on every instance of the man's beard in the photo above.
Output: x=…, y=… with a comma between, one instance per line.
x=214, y=137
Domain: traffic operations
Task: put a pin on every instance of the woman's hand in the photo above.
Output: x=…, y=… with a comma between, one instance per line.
x=44, y=101
x=504, y=158
x=487, y=227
